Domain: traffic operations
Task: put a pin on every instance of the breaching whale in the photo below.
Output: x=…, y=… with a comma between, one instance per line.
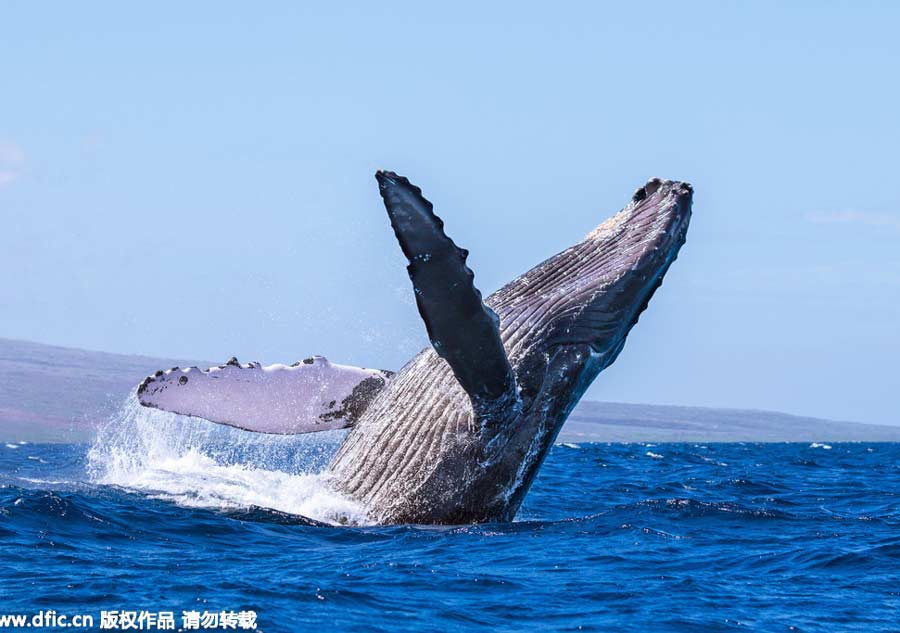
x=458, y=434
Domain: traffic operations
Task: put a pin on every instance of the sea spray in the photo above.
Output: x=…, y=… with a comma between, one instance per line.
x=195, y=463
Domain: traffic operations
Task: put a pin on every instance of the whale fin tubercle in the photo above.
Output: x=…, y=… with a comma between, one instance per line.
x=462, y=329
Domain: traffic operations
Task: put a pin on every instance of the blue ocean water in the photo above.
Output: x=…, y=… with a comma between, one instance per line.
x=670, y=537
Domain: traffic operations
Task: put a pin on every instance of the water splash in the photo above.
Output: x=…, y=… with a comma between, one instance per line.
x=195, y=463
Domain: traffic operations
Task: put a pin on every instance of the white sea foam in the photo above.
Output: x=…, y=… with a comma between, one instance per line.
x=654, y=455
x=195, y=463
x=45, y=482
x=822, y=446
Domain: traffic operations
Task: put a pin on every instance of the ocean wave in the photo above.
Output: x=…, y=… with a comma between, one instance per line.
x=194, y=463
x=169, y=513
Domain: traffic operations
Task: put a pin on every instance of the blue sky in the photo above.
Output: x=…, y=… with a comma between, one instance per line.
x=196, y=181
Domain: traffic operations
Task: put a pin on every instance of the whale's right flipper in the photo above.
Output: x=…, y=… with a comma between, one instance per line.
x=462, y=329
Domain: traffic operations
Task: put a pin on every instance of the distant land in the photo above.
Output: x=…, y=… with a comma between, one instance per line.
x=59, y=394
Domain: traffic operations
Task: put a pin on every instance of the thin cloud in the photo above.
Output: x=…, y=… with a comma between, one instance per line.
x=883, y=219
x=12, y=159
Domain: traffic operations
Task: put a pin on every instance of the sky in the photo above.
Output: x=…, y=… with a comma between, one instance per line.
x=196, y=180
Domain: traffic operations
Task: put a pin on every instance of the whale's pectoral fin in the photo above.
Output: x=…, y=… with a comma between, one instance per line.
x=308, y=396
x=462, y=329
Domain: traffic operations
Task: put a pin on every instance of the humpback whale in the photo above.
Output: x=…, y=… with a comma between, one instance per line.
x=458, y=434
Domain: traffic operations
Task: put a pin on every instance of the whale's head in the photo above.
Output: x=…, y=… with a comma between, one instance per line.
x=566, y=320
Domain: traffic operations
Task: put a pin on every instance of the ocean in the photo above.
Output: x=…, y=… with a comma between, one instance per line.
x=164, y=514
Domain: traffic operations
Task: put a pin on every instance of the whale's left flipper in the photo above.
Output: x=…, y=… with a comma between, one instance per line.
x=310, y=395
x=462, y=329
